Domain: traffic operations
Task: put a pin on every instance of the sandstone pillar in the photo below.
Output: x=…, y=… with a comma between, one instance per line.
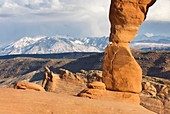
x=120, y=70
x=50, y=80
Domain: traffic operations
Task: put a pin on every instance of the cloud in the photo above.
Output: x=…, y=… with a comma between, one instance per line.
x=159, y=11
x=92, y=12
x=72, y=17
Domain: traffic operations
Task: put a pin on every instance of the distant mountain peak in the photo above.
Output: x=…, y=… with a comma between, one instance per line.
x=54, y=44
x=62, y=44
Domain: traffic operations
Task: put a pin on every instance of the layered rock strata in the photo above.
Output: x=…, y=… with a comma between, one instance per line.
x=97, y=90
x=120, y=70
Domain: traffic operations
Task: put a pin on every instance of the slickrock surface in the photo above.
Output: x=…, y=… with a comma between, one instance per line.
x=31, y=102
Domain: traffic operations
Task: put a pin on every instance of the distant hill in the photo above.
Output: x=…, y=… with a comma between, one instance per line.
x=153, y=63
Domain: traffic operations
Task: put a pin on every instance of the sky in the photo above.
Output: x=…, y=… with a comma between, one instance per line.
x=76, y=18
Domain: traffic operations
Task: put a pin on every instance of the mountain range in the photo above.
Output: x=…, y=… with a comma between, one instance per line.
x=63, y=44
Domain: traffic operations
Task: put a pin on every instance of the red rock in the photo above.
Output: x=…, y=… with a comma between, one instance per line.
x=28, y=86
x=50, y=80
x=152, y=104
x=96, y=85
x=120, y=70
x=30, y=102
x=125, y=97
x=126, y=16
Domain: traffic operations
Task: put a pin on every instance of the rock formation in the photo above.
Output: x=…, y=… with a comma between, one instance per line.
x=97, y=90
x=66, y=74
x=28, y=86
x=50, y=80
x=120, y=70
x=126, y=16
x=147, y=88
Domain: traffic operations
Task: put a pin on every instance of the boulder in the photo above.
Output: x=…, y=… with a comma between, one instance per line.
x=28, y=86
x=145, y=85
x=163, y=91
x=120, y=70
x=147, y=88
x=67, y=75
x=94, y=75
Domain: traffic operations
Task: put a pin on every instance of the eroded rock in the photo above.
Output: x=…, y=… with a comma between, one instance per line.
x=28, y=86
x=66, y=74
x=147, y=88
x=97, y=85
x=126, y=16
x=50, y=80
x=120, y=70
x=97, y=90
x=152, y=104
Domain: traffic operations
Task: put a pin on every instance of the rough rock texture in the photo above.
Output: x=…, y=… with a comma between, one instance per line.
x=96, y=90
x=147, y=88
x=50, y=80
x=67, y=75
x=120, y=70
x=28, y=86
x=94, y=75
x=125, y=97
x=167, y=107
x=97, y=85
x=90, y=76
x=156, y=87
x=126, y=16
x=152, y=104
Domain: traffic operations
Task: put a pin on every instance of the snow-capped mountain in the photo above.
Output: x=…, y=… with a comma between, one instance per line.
x=153, y=42
x=62, y=44
x=55, y=44
x=152, y=39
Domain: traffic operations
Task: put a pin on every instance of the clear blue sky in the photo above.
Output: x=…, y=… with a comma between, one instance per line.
x=77, y=18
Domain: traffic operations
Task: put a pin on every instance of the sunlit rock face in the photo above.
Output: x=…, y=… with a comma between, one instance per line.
x=126, y=16
x=120, y=70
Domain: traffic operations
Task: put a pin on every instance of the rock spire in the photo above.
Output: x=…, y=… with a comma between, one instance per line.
x=120, y=70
